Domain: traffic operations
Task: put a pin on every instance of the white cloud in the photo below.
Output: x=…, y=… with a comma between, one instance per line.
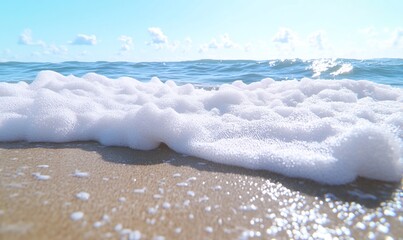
x=188, y=41
x=173, y=45
x=289, y=44
x=26, y=39
x=374, y=39
x=223, y=42
x=369, y=31
x=46, y=49
x=187, y=44
x=126, y=43
x=397, y=37
x=157, y=36
x=285, y=36
x=83, y=39
x=203, y=48
x=286, y=41
x=247, y=47
x=227, y=42
x=57, y=50
x=317, y=40
x=383, y=40
x=213, y=44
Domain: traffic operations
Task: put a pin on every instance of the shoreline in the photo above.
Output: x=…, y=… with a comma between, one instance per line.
x=84, y=190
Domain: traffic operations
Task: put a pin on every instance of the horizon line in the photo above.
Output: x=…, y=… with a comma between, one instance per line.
x=205, y=59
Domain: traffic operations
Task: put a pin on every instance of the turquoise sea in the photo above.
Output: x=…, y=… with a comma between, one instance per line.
x=216, y=72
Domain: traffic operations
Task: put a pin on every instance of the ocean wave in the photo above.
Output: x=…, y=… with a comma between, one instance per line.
x=216, y=72
x=344, y=69
x=330, y=131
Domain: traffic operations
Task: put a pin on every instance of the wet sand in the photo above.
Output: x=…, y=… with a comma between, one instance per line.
x=88, y=191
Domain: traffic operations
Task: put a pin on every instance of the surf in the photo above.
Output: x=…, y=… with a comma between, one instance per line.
x=329, y=131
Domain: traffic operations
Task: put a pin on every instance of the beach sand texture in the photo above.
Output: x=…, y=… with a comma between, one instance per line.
x=88, y=191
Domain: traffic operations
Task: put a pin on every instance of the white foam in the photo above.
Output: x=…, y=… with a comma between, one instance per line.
x=166, y=205
x=152, y=210
x=344, y=69
x=39, y=176
x=140, y=190
x=98, y=224
x=84, y=196
x=118, y=227
x=327, y=131
x=250, y=207
x=78, y=173
x=75, y=216
x=191, y=193
x=134, y=235
x=321, y=65
x=209, y=229
x=182, y=184
x=42, y=166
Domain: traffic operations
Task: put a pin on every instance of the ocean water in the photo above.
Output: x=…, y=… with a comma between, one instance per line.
x=215, y=72
x=329, y=120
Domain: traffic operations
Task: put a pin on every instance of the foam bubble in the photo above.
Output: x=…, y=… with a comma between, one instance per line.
x=327, y=131
x=39, y=176
x=140, y=190
x=42, y=166
x=75, y=216
x=84, y=196
x=78, y=173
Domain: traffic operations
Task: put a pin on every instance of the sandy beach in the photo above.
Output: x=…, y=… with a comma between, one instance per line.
x=88, y=191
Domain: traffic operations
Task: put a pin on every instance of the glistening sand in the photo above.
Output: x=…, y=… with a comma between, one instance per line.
x=88, y=191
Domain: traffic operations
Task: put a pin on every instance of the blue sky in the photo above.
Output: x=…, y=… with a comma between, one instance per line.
x=150, y=30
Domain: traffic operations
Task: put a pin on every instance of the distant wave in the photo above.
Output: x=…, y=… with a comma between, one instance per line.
x=216, y=72
x=344, y=69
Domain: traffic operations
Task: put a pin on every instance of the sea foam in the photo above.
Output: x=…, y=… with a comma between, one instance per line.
x=330, y=131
